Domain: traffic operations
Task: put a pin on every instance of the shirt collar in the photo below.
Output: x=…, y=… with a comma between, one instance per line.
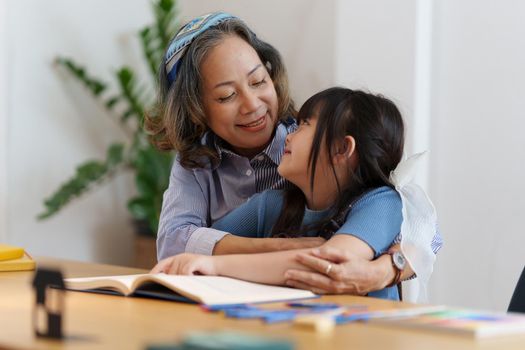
x=275, y=149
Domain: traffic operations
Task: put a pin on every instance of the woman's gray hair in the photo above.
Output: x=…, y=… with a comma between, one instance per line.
x=178, y=122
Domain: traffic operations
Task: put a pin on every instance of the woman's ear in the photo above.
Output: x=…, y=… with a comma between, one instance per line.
x=345, y=150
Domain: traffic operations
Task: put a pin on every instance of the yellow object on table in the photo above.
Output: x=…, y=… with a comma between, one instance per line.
x=15, y=259
x=9, y=252
x=319, y=323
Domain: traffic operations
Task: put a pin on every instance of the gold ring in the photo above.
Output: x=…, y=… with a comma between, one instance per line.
x=328, y=269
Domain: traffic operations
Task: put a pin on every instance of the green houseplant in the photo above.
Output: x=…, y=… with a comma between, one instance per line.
x=150, y=167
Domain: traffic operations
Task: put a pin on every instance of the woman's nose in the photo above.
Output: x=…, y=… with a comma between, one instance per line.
x=250, y=102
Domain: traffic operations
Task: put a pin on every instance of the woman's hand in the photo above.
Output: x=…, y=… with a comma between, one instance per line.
x=187, y=264
x=336, y=272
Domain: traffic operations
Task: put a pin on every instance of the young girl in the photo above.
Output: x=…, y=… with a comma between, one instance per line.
x=339, y=160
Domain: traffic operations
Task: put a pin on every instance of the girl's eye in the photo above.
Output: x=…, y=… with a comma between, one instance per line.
x=304, y=122
x=226, y=98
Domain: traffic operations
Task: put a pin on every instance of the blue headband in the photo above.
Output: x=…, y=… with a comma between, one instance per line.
x=185, y=37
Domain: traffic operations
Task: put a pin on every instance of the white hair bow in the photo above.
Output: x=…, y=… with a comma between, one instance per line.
x=419, y=222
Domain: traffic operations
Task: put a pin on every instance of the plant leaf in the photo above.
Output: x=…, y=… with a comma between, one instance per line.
x=155, y=38
x=110, y=103
x=139, y=207
x=115, y=155
x=86, y=175
x=95, y=85
x=129, y=93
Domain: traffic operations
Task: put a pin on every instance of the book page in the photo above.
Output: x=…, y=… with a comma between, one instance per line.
x=122, y=284
x=213, y=290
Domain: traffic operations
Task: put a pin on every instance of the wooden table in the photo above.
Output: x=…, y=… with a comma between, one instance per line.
x=94, y=321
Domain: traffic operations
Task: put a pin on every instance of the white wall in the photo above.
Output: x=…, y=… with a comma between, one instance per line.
x=478, y=150
x=3, y=120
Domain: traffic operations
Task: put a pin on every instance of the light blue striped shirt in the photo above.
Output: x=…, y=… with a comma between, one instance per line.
x=196, y=198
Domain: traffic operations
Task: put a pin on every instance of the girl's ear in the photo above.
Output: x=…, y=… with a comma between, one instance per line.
x=345, y=150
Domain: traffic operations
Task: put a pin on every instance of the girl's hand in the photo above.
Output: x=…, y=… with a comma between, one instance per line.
x=187, y=264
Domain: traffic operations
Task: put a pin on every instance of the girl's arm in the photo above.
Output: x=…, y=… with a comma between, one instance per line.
x=270, y=268
x=266, y=268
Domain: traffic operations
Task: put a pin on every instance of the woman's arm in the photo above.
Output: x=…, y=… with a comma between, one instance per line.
x=184, y=211
x=183, y=224
x=255, y=219
x=358, y=276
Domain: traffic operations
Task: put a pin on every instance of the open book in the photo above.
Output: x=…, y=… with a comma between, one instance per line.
x=208, y=290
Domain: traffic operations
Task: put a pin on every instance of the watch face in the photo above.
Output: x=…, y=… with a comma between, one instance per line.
x=399, y=260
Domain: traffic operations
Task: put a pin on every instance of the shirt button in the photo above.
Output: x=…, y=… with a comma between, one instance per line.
x=248, y=172
x=260, y=158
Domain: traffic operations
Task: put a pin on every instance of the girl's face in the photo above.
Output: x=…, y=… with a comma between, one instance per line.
x=294, y=163
x=239, y=98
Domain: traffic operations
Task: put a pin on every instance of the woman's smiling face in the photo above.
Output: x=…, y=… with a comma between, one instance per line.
x=239, y=97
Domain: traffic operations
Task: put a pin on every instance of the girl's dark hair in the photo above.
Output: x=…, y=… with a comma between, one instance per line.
x=377, y=127
x=178, y=122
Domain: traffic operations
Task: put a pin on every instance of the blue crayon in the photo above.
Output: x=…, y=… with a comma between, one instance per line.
x=217, y=308
x=245, y=313
x=324, y=306
x=280, y=316
x=342, y=319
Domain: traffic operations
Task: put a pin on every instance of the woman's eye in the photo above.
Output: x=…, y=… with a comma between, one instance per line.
x=259, y=83
x=226, y=98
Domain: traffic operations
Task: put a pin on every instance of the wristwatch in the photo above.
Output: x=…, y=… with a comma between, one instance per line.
x=399, y=262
